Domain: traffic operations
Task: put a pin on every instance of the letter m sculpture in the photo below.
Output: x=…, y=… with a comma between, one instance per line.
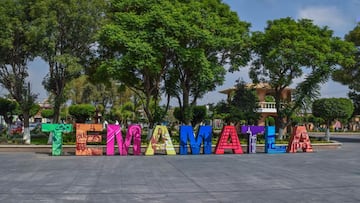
x=204, y=135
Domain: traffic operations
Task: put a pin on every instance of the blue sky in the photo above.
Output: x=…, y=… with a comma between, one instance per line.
x=340, y=16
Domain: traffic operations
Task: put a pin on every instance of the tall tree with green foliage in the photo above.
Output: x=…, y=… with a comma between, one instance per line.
x=208, y=36
x=288, y=49
x=66, y=35
x=330, y=109
x=17, y=49
x=136, y=47
x=184, y=42
x=65, y=32
x=349, y=75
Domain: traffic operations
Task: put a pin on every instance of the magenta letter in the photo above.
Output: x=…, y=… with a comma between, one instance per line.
x=112, y=131
x=133, y=132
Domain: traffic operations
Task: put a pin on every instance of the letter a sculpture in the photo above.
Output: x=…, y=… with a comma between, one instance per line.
x=160, y=140
x=228, y=140
x=299, y=139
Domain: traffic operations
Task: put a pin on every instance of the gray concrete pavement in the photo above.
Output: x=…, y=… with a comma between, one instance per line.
x=322, y=176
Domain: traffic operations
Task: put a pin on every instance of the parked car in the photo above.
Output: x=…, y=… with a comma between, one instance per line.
x=15, y=129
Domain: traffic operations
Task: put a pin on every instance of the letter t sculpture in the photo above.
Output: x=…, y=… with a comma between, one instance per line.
x=57, y=130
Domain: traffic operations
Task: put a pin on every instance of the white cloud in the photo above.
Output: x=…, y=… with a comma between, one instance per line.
x=324, y=16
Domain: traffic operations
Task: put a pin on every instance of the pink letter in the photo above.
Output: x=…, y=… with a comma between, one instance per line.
x=112, y=131
x=134, y=132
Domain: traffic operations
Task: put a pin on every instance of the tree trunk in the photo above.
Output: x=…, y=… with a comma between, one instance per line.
x=55, y=120
x=186, y=108
x=57, y=104
x=327, y=134
x=149, y=134
x=281, y=133
x=26, y=132
x=27, y=136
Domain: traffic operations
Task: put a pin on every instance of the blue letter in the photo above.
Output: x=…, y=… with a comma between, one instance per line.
x=187, y=133
x=270, y=146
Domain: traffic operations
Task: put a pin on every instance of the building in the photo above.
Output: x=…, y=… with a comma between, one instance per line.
x=264, y=92
x=38, y=118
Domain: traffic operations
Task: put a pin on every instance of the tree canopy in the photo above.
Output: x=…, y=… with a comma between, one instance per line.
x=350, y=74
x=184, y=42
x=208, y=35
x=81, y=112
x=289, y=50
x=7, y=109
x=330, y=109
x=243, y=106
x=65, y=32
x=17, y=49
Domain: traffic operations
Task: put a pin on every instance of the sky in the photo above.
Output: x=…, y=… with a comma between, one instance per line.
x=341, y=16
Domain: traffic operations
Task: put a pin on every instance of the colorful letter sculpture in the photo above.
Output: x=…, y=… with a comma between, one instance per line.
x=57, y=130
x=160, y=140
x=299, y=139
x=228, y=140
x=270, y=146
x=252, y=132
x=134, y=132
x=82, y=138
x=187, y=133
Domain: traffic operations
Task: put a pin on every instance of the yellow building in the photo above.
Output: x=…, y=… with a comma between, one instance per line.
x=266, y=109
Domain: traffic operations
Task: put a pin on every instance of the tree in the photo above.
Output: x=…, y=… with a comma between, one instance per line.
x=243, y=105
x=208, y=35
x=81, y=112
x=7, y=109
x=355, y=97
x=135, y=47
x=349, y=74
x=288, y=49
x=270, y=121
x=66, y=35
x=330, y=109
x=221, y=111
x=317, y=121
x=65, y=32
x=126, y=112
x=199, y=112
x=47, y=113
x=146, y=39
x=17, y=49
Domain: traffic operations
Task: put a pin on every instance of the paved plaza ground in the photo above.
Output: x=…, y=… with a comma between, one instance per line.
x=322, y=176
